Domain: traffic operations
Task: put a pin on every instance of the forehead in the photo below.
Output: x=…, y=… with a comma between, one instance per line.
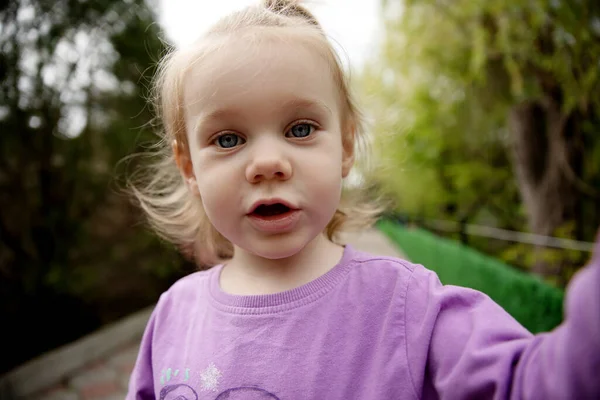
x=264, y=70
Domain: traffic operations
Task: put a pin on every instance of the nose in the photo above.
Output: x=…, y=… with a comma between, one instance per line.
x=268, y=164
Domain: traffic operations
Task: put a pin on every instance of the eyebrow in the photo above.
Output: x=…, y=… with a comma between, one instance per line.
x=306, y=103
x=232, y=113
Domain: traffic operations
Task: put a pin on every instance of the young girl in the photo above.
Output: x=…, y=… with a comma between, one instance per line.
x=259, y=132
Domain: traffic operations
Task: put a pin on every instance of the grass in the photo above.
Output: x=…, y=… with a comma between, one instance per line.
x=535, y=304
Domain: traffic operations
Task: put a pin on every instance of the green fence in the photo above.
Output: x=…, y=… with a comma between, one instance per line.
x=533, y=303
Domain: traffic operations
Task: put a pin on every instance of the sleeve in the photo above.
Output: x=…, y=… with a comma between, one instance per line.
x=141, y=381
x=460, y=344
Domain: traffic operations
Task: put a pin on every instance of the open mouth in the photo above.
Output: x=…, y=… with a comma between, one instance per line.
x=271, y=210
x=274, y=216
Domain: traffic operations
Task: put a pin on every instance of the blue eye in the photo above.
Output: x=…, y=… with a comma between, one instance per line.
x=229, y=140
x=301, y=130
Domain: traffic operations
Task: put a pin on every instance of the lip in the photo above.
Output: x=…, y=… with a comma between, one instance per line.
x=268, y=202
x=275, y=224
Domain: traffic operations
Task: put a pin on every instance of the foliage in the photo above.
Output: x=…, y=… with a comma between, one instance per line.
x=73, y=255
x=448, y=76
x=433, y=134
x=533, y=303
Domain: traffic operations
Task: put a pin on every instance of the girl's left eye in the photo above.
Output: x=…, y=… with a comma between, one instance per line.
x=301, y=130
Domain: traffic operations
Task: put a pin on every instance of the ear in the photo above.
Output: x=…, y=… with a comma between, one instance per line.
x=183, y=160
x=184, y=163
x=348, y=149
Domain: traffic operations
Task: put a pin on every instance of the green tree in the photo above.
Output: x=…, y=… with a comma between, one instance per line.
x=73, y=89
x=494, y=113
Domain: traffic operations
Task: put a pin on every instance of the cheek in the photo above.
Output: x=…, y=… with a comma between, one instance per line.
x=211, y=174
x=325, y=179
x=217, y=188
x=326, y=163
x=221, y=205
x=326, y=195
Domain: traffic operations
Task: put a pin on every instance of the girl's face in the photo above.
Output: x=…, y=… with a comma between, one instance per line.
x=265, y=144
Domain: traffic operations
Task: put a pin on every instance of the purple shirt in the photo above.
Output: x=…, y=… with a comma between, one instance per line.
x=371, y=328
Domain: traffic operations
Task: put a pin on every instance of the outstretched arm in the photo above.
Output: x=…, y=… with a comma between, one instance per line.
x=565, y=363
x=466, y=346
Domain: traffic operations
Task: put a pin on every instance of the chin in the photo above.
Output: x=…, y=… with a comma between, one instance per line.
x=282, y=252
x=283, y=248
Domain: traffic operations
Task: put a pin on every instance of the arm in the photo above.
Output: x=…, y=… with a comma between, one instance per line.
x=141, y=382
x=566, y=362
x=463, y=345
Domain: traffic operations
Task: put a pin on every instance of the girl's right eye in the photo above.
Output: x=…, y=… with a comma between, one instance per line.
x=229, y=140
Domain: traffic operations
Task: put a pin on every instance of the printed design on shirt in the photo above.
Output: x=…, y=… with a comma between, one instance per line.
x=209, y=378
x=178, y=392
x=246, y=393
x=209, y=381
x=167, y=374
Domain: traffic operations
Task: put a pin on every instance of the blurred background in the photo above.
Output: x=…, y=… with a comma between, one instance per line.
x=485, y=131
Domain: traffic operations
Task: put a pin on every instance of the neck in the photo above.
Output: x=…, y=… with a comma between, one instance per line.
x=249, y=274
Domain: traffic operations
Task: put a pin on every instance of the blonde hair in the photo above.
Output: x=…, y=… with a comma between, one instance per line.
x=172, y=209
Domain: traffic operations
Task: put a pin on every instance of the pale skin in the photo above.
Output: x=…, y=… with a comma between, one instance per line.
x=269, y=127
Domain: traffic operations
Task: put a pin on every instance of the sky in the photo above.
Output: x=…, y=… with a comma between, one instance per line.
x=353, y=24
